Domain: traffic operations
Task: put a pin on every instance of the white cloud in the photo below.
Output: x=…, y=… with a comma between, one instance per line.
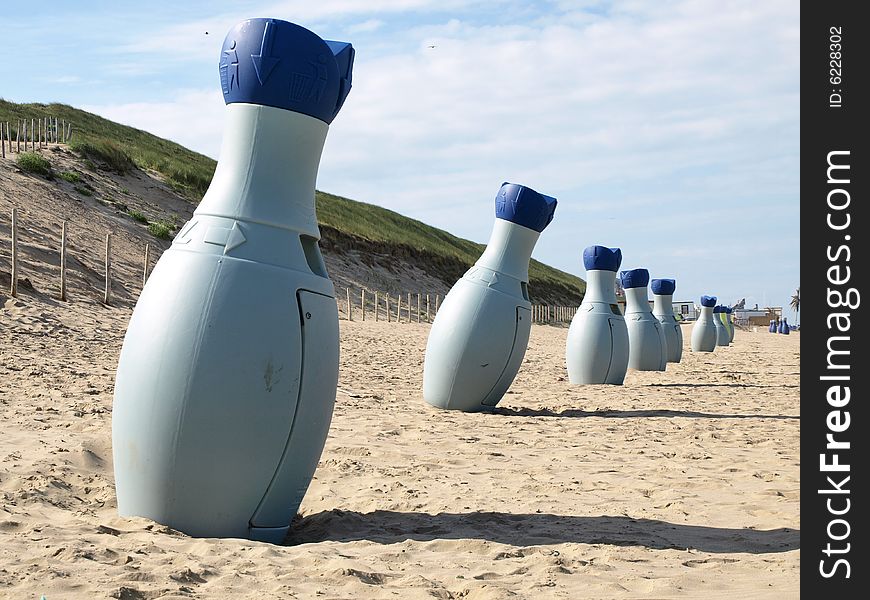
x=193, y=118
x=631, y=113
x=367, y=26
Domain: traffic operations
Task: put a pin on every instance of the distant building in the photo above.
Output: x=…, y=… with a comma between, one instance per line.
x=757, y=316
x=685, y=311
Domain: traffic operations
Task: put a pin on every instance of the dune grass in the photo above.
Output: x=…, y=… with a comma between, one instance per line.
x=385, y=226
x=120, y=147
x=106, y=144
x=32, y=162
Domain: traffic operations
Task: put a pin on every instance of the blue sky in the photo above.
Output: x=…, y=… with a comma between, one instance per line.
x=667, y=128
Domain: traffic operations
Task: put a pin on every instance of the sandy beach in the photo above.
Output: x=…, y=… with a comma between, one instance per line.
x=677, y=484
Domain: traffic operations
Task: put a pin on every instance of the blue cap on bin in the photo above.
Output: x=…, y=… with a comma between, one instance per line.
x=729, y=310
x=634, y=279
x=277, y=63
x=524, y=206
x=602, y=258
x=718, y=309
x=663, y=286
x=708, y=301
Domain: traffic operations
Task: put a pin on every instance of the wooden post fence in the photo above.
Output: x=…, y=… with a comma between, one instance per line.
x=63, y=261
x=107, y=295
x=147, y=260
x=13, y=291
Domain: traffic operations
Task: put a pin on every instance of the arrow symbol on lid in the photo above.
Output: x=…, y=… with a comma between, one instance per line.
x=264, y=62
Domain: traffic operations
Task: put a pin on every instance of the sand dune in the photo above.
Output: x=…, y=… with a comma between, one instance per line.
x=677, y=484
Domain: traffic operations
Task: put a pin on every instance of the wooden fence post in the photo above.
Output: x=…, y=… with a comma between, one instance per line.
x=418, y=307
x=107, y=295
x=377, y=308
x=3, y=140
x=349, y=313
x=147, y=260
x=387, y=303
x=409, y=307
x=62, y=131
x=18, y=137
x=427, y=308
x=14, y=287
x=63, y=261
x=398, y=308
x=32, y=135
x=362, y=303
x=437, y=302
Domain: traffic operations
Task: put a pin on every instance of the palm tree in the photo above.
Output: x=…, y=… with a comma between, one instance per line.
x=796, y=304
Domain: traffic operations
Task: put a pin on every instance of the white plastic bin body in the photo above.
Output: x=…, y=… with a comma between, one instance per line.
x=227, y=377
x=480, y=334
x=723, y=336
x=704, y=331
x=663, y=310
x=479, y=337
x=597, y=347
x=647, y=349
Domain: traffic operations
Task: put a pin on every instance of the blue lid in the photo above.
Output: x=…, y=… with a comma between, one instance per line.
x=729, y=310
x=634, y=279
x=602, y=258
x=708, y=301
x=718, y=309
x=524, y=206
x=276, y=63
x=663, y=286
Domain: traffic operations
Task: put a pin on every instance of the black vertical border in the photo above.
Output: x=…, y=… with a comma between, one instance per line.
x=825, y=129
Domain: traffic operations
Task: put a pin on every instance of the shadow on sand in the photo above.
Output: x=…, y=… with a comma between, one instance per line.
x=388, y=527
x=628, y=414
x=725, y=385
